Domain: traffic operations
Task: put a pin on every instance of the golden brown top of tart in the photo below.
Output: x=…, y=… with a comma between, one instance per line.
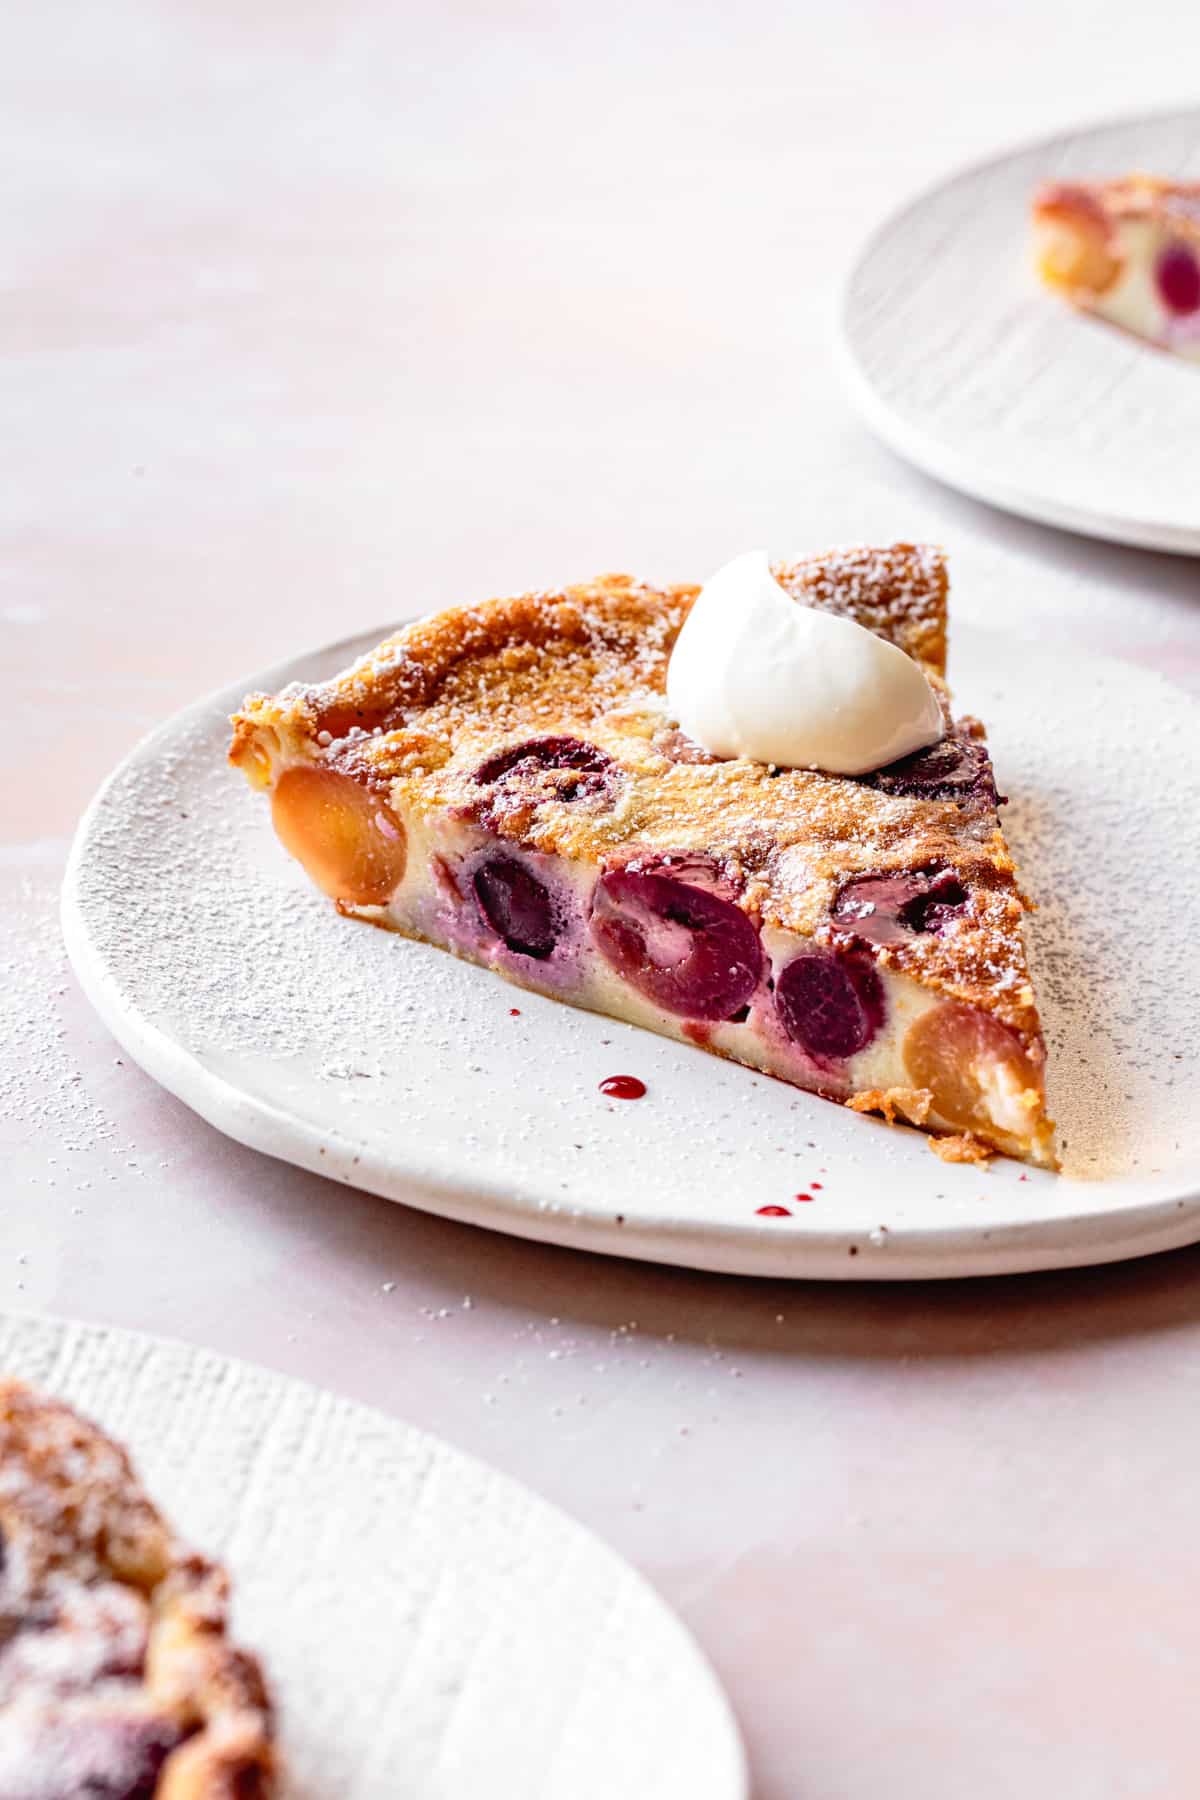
x=1103, y=205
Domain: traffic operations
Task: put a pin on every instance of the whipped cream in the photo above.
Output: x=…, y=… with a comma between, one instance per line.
x=756, y=674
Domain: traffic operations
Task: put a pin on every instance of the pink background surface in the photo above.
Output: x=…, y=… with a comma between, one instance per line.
x=313, y=314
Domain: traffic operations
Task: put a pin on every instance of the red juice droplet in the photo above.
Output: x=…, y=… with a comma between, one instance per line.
x=772, y=1212
x=623, y=1087
x=802, y=1196
x=514, y=1012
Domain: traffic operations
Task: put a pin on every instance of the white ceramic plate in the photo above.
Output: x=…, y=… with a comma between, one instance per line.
x=430, y=1628
x=393, y=1066
x=962, y=362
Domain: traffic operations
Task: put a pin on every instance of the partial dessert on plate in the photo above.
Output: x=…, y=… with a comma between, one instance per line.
x=118, y=1679
x=1127, y=251
x=743, y=816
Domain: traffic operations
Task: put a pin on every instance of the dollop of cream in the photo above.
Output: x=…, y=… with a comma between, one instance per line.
x=756, y=674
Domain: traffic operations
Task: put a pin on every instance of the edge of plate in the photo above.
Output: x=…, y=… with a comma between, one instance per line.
x=927, y=452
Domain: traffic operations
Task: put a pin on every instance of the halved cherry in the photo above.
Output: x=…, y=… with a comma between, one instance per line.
x=892, y=909
x=348, y=838
x=830, y=1002
x=1177, y=273
x=958, y=768
x=559, y=768
x=543, y=753
x=683, y=946
x=970, y=1062
x=517, y=906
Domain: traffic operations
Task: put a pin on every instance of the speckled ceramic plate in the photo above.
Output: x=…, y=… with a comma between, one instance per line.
x=962, y=361
x=393, y=1066
x=430, y=1628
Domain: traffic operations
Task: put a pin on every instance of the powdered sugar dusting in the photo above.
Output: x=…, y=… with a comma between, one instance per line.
x=1110, y=837
x=42, y=1087
x=897, y=590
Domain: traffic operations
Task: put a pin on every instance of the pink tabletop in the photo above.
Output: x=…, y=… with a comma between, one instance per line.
x=317, y=314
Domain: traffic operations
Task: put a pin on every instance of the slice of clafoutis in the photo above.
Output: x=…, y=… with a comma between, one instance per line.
x=1127, y=251
x=506, y=781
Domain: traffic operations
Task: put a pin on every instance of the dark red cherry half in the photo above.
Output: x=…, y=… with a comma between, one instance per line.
x=517, y=906
x=683, y=946
x=957, y=768
x=830, y=1002
x=1177, y=274
x=891, y=909
x=553, y=768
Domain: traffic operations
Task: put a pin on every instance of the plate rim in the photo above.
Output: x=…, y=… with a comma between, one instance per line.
x=98, y=1329
x=926, y=450
x=1168, y=1220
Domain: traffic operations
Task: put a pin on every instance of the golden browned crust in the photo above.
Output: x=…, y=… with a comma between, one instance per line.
x=1056, y=199
x=534, y=653
x=962, y=1147
x=1174, y=203
x=898, y=591
x=913, y=1105
x=115, y=1662
x=417, y=716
